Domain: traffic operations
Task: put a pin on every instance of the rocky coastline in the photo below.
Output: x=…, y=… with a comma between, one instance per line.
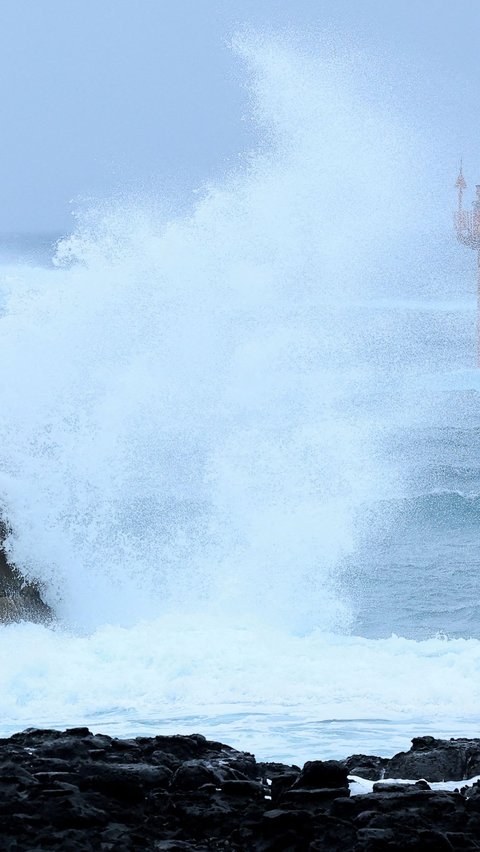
x=75, y=791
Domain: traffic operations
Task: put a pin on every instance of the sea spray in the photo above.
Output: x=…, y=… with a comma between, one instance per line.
x=199, y=425
x=181, y=418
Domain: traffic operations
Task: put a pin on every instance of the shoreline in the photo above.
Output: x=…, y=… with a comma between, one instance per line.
x=74, y=790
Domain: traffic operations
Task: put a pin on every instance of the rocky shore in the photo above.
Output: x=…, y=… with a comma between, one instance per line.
x=74, y=791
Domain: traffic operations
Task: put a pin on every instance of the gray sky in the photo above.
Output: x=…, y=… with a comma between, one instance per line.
x=99, y=96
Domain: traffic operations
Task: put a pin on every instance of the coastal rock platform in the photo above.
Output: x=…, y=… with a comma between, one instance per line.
x=73, y=791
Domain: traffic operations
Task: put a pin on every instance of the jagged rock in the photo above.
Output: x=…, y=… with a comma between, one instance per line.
x=366, y=766
x=323, y=773
x=193, y=774
x=429, y=758
x=19, y=600
x=437, y=760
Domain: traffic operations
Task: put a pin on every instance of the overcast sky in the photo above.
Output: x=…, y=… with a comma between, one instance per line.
x=102, y=95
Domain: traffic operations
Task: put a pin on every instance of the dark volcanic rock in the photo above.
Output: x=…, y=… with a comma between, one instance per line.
x=366, y=766
x=19, y=600
x=72, y=790
x=437, y=760
x=193, y=774
x=429, y=758
x=323, y=773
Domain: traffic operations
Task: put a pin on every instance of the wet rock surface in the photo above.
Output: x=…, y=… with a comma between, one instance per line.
x=428, y=758
x=19, y=599
x=73, y=790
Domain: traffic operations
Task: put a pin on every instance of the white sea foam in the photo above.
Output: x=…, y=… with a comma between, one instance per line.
x=360, y=786
x=178, y=673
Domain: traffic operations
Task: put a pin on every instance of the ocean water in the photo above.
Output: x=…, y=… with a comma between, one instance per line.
x=239, y=447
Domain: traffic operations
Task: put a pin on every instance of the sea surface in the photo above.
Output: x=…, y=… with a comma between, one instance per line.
x=240, y=448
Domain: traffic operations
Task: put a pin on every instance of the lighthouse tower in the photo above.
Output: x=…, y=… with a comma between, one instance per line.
x=467, y=229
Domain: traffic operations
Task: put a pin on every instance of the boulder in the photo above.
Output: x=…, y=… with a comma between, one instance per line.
x=428, y=758
x=322, y=773
x=437, y=760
